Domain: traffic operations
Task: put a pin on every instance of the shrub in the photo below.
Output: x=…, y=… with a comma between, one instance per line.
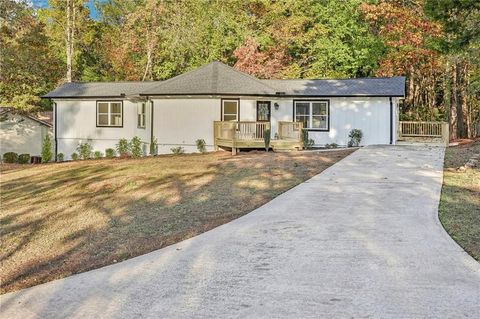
x=355, y=136
x=136, y=147
x=177, y=150
x=307, y=142
x=84, y=150
x=47, y=149
x=333, y=145
x=201, y=145
x=24, y=158
x=97, y=154
x=10, y=157
x=74, y=156
x=60, y=157
x=266, y=139
x=153, y=146
x=123, y=147
x=110, y=153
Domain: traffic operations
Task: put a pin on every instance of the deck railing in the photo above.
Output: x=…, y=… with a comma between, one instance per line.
x=251, y=130
x=250, y=134
x=290, y=130
x=240, y=130
x=424, y=129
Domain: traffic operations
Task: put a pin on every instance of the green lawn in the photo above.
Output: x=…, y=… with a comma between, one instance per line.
x=459, y=209
x=61, y=219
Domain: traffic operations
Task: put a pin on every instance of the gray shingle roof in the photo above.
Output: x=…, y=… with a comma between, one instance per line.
x=213, y=78
x=99, y=89
x=219, y=79
x=394, y=86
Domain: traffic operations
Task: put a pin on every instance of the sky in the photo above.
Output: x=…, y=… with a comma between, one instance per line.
x=44, y=4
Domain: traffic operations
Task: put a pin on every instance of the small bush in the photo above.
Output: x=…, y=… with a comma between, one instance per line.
x=201, y=145
x=333, y=145
x=85, y=150
x=123, y=147
x=110, y=153
x=136, y=147
x=355, y=136
x=177, y=150
x=24, y=158
x=266, y=139
x=60, y=157
x=153, y=147
x=10, y=157
x=47, y=149
x=307, y=142
x=74, y=156
x=97, y=154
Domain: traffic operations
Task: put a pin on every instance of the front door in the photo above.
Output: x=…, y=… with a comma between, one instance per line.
x=263, y=111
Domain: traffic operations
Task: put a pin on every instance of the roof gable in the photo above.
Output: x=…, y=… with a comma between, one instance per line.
x=213, y=78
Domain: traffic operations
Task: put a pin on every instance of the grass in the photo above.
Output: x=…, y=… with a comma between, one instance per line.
x=61, y=219
x=459, y=209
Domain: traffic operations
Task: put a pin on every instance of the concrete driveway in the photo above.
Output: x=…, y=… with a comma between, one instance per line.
x=362, y=239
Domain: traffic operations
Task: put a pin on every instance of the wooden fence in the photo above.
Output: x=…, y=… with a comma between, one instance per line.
x=433, y=130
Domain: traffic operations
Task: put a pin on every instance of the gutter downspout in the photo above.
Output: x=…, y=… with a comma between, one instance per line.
x=391, y=120
x=151, y=128
x=55, y=129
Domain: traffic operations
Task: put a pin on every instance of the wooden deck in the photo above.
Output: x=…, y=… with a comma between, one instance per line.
x=248, y=135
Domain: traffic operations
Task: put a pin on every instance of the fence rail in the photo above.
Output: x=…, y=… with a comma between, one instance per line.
x=290, y=130
x=424, y=130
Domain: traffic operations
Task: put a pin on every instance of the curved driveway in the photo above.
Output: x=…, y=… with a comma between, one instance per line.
x=360, y=240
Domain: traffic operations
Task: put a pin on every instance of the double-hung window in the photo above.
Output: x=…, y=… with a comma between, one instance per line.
x=141, y=111
x=110, y=113
x=230, y=110
x=313, y=114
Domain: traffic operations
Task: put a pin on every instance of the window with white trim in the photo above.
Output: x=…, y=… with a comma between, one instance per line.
x=313, y=114
x=230, y=110
x=141, y=111
x=110, y=113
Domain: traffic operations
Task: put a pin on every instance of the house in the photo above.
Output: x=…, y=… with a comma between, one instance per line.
x=23, y=133
x=226, y=108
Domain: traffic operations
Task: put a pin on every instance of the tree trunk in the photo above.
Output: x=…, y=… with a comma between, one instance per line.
x=452, y=116
x=465, y=111
x=458, y=100
x=69, y=40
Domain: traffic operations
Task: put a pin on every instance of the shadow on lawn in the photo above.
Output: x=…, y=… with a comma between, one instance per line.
x=129, y=211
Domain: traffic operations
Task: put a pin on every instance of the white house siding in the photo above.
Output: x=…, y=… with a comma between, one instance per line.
x=22, y=135
x=180, y=122
x=77, y=122
x=371, y=115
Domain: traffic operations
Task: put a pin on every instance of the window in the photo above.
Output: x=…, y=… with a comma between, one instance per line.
x=263, y=111
x=109, y=113
x=230, y=110
x=141, y=107
x=313, y=114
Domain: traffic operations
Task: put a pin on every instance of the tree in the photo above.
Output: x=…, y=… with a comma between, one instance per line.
x=409, y=38
x=28, y=68
x=68, y=25
x=461, y=46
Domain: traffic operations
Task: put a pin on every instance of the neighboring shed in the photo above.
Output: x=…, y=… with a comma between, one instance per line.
x=23, y=133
